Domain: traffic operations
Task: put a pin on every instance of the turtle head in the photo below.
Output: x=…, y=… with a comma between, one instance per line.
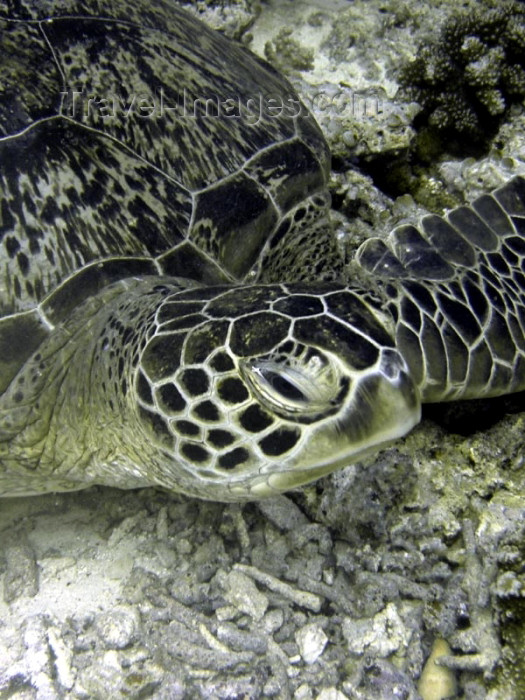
x=250, y=391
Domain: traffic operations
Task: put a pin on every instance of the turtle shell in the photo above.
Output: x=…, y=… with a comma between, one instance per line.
x=135, y=141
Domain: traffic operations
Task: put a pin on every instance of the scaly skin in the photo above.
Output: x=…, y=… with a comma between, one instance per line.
x=242, y=424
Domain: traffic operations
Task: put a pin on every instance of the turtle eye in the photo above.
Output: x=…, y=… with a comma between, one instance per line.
x=290, y=390
x=283, y=385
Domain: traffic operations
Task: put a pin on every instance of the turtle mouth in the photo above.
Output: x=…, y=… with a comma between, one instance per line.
x=279, y=482
x=294, y=477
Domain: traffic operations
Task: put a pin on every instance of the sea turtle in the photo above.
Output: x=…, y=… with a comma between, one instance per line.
x=175, y=312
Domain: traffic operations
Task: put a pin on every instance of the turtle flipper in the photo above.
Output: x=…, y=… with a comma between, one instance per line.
x=456, y=289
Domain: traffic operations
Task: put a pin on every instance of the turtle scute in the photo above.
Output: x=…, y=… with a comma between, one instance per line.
x=200, y=409
x=277, y=398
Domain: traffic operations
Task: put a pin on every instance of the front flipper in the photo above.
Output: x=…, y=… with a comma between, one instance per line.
x=455, y=287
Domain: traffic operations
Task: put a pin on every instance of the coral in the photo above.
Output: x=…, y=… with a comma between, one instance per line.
x=286, y=53
x=467, y=79
x=231, y=17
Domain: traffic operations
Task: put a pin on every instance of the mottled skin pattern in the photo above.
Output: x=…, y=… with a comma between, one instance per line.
x=174, y=308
